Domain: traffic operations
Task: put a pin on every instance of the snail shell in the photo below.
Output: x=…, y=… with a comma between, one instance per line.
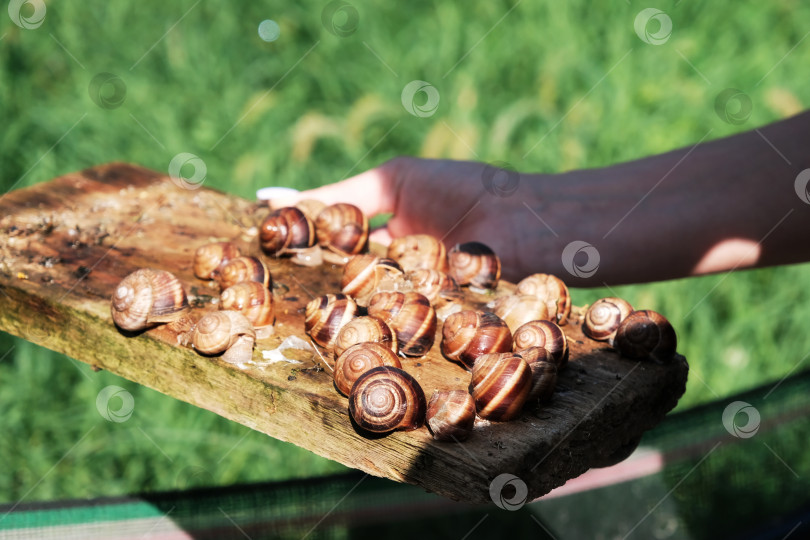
x=243, y=269
x=311, y=208
x=365, y=329
x=210, y=258
x=412, y=318
x=603, y=318
x=147, y=297
x=326, y=315
x=435, y=285
x=518, y=309
x=550, y=289
x=342, y=228
x=500, y=385
x=251, y=299
x=358, y=359
x=386, y=398
x=644, y=334
x=365, y=274
x=451, y=415
x=225, y=331
x=544, y=373
x=419, y=251
x=468, y=334
x=544, y=334
x=286, y=229
x=474, y=264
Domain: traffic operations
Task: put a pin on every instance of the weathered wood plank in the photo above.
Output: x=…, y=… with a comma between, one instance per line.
x=65, y=244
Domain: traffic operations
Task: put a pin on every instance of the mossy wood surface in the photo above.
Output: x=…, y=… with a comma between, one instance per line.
x=65, y=244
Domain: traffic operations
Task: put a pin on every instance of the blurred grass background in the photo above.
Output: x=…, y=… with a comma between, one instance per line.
x=315, y=106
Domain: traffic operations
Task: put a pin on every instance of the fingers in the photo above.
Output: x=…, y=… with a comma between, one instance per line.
x=380, y=236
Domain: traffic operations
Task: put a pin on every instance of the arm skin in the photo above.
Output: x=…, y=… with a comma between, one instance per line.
x=716, y=206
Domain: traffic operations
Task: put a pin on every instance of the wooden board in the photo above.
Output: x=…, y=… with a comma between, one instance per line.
x=65, y=244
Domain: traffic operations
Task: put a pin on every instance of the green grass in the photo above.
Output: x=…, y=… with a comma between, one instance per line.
x=312, y=107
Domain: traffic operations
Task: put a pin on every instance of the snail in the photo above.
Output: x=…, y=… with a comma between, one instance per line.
x=544, y=373
x=518, y=309
x=419, y=251
x=644, y=334
x=358, y=359
x=365, y=274
x=243, y=269
x=210, y=258
x=437, y=286
x=342, y=228
x=385, y=399
x=254, y=301
x=326, y=315
x=451, y=415
x=364, y=329
x=468, y=334
x=227, y=332
x=285, y=230
x=474, y=264
x=147, y=297
x=410, y=315
x=603, y=318
x=500, y=385
x=311, y=208
x=546, y=334
x=550, y=289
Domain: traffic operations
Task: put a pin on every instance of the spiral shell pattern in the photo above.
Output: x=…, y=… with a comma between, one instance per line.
x=358, y=359
x=284, y=229
x=518, y=309
x=251, y=299
x=551, y=290
x=326, y=315
x=210, y=258
x=218, y=331
x=385, y=399
x=147, y=297
x=243, y=269
x=412, y=318
x=604, y=317
x=546, y=334
x=363, y=274
x=435, y=285
x=500, y=385
x=474, y=264
x=451, y=415
x=419, y=251
x=544, y=373
x=342, y=228
x=644, y=334
x=365, y=329
x=468, y=334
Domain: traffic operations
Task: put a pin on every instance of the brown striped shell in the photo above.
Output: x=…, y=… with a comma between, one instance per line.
x=468, y=334
x=500, y=385
x=227, y=332
x=364, y=274
x=385, y=399
x=451, y=415
x=286, y=229
x=251, y=299
x=311, y=208
x=410, y=315
x=544, y=373
x=544, y=334
x=518, y=309
x=550, y=289
x=326, y=315
x=358, y=359
x=435, y=285
x=419, y=251
x=342, y=228
x=364, y=329
x=604, y=317
x=210, y=258
x=243, y=269
x=645, y=334
x=474, y=264
x=147, y=297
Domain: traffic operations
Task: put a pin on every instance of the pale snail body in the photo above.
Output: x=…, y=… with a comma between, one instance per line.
x=365, y=274
x=284, y=230
x=604, y=317
x=434, y=284
x=342, y=228
x=468, y=334
x=210, y=258
x=550, y=289
x=451, y=415
x=518, y=309
x=544, y=373
x=326, y=315
x=147, y=297
x=385, y=399
x=365, y=329
x=358, y=359
x=243, y=269
x=500, y=385
x=411, y=316
x=546, y=334
x=474, y=264
x=645, y=334
x=419, y=252
x=254, y=301
x=226, y=332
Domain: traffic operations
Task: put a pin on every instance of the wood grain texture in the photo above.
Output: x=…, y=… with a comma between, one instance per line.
x=65, y=244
